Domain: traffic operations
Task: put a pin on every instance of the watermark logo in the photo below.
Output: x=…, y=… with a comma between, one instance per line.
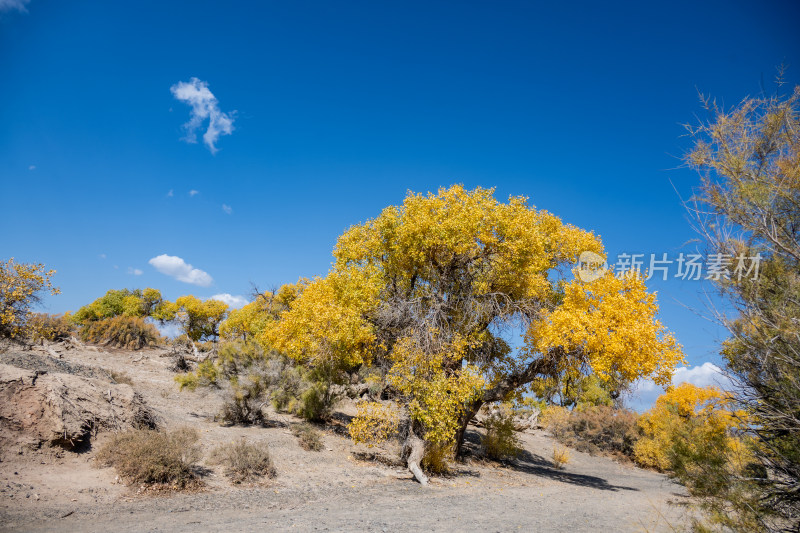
x=694, y=267
x=591, y=266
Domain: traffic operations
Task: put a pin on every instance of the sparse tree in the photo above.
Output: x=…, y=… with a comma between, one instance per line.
x=748, y=211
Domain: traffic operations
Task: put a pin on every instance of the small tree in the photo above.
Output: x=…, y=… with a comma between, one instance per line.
x=199, y=319
x=22, y=286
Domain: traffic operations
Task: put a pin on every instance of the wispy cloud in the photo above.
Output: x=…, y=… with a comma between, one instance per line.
x=175, y=267
x=135, y=271
x=234, y=301
x=32, y=167
x=228, y=209
x=204, y=106
x=171, y=193
x=194, y=192
x=102, y=256
x=19, y=5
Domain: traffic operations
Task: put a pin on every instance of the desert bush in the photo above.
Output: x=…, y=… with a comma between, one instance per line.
x=154, y=457
x=244, y=401
x=122, y=377
x=437, y=458
x=596, y=429
x=560, y=456
x=310, y=439
x=244, y=461
x=43, y=327
x=128, y=332
x=500, y=440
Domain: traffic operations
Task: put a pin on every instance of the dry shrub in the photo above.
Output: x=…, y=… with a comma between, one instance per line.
x=122, y=377
x=310, y=439
x=43, y=327
x=244, y=401
x=244, y=461
x=501, y=441
x=154, y=457
x=597, y=429
x=560, y=456
x=128, y=332
x=437, y=458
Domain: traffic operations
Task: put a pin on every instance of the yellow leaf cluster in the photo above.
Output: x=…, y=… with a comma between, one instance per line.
x=611, y=323
x=326, y=325
x=435, y=392
x=375, y=423
x=705, y=412
x=20, y=287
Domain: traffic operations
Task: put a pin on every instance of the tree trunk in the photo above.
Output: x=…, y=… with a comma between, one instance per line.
x=414, y=450
x=468, y=415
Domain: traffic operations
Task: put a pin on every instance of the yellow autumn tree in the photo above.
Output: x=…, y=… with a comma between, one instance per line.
x=429, y=290
x=22, y=286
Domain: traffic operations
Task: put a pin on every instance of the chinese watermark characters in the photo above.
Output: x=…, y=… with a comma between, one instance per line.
x=695, y=267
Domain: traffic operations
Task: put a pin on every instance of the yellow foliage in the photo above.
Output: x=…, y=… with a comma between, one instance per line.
x=704, y=411
x=21, y=285
x=612, y=323
x=435, y=393
x=199, y=318
x=560, y=456
x=326, y=326
x=375, y=423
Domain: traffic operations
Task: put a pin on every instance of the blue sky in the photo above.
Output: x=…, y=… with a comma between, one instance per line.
x=335, y=110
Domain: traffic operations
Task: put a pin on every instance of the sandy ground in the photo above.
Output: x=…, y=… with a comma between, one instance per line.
x=337, y=489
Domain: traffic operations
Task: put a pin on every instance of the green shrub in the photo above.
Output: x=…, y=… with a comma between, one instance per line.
x=310, y=439
x=244, y=461
x=500, y=440
x=144, y=456
x=128, y=332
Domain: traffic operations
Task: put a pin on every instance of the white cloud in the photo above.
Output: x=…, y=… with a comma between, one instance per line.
x=171, y=193
x=228, y=209
x=234, y=301
x=175, y=267
x=135, y=271
x=645, y=391
x=204, y=106
x=19, y=5
x=702, y=376
x=32, y=167
x=194, y=192
x=102, y=256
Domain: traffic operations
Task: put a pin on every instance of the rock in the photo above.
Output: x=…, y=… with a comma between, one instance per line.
x=62, y=409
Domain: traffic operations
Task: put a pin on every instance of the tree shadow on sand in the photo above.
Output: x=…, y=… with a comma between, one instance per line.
x=534, y=464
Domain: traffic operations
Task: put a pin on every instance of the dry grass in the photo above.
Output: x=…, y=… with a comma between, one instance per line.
x=560, y=456
x=244, y=461
x=122, y=377
x=310, y=439
x=143, y=456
